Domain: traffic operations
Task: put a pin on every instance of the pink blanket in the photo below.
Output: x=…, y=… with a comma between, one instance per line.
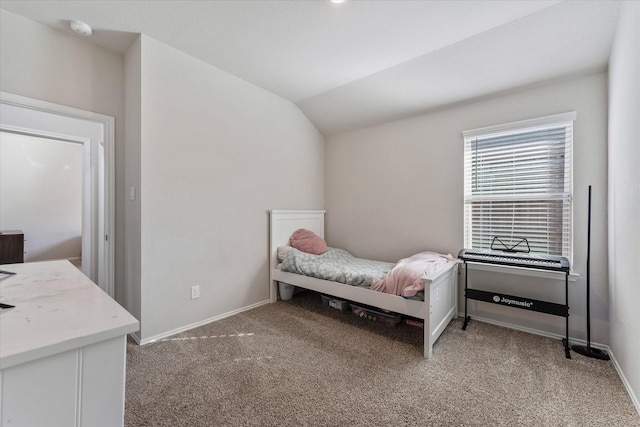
x=406, y=277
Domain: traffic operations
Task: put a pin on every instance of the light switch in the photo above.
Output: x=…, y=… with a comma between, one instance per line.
x=132, y=193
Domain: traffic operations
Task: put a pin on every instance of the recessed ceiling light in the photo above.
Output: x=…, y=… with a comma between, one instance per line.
x=81, y=28
x=337, y=1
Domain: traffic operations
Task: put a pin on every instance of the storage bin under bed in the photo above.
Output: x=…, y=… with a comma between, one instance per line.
x=389, y=319
x=336, y=303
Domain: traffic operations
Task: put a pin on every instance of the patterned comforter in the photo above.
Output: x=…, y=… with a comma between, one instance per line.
x=336, y=265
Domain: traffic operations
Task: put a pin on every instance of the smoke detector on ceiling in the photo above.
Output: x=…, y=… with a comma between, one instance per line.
x=81, y=28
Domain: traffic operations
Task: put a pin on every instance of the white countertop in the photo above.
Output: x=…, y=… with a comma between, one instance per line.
x=57, y=308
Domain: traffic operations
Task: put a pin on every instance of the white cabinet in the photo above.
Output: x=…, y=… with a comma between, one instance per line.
x=62, y=349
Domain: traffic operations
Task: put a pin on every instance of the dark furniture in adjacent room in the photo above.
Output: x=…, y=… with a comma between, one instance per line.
x=11, y=246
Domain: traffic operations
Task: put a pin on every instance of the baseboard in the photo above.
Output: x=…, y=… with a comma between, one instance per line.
x=632, y=395
x=201, y=323
x=536, y=331
x=135, y=337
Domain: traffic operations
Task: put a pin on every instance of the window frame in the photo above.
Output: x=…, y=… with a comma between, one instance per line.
x=565, y=119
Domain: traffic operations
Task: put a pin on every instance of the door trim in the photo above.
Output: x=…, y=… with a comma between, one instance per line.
x=106, y=232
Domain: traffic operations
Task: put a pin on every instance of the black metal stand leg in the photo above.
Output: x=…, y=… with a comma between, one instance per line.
x=466, y=318
x=566, y=302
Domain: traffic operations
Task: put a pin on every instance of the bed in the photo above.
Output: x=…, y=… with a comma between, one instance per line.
x=440, y=295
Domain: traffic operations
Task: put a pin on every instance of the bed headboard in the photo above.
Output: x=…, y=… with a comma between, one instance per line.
x=285, y=222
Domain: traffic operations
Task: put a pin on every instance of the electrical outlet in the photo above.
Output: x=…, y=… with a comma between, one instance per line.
x=195, y=292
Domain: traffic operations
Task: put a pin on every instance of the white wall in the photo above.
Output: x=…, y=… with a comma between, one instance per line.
x=133, y=86
x=624, y=196
x=41, y=194
x=396, y=189
x=208, y=153
x=46, y=64
x=216, y=154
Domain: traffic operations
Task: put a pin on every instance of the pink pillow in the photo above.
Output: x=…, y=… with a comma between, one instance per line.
x=308, y=241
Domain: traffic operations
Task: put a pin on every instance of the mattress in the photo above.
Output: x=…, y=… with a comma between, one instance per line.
x=337, y=265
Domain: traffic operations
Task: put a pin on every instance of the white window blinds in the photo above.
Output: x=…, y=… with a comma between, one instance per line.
x=518, y=184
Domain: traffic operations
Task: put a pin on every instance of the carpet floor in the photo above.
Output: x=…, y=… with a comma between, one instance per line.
x=300, y=363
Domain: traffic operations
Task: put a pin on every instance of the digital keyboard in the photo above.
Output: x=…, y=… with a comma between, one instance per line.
x=516, y=259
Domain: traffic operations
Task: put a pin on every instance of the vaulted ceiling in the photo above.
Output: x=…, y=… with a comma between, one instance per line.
x=359, y=63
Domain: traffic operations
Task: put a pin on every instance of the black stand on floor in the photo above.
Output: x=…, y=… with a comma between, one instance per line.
x=521, y=302
x=581, y=349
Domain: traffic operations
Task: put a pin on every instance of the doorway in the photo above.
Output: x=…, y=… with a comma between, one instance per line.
x=56, y=124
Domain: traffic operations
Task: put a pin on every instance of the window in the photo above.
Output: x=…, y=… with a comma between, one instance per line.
x=518, y=184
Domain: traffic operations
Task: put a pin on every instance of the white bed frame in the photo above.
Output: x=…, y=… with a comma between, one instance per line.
x=441, y=290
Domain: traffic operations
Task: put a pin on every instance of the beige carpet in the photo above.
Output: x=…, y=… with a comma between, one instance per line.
x=298, y=363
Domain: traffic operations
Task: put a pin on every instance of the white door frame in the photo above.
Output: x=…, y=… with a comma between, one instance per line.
x=99, y=234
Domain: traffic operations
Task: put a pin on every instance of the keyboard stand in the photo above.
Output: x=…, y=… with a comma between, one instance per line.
x=520, y=302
